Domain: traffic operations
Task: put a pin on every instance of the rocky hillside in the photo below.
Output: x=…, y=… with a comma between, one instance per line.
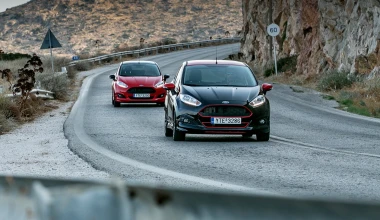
x=325, y=34
x=116, y=25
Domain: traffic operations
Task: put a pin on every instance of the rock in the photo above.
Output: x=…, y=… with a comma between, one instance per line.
x=374, y=73
x=326, y=34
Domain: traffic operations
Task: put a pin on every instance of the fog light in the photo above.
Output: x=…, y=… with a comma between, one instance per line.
x=262, y=121
x=160, y=96
x=120, y=95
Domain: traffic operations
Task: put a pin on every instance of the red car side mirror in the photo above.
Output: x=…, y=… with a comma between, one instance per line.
x=266, y=87
x=169, y=86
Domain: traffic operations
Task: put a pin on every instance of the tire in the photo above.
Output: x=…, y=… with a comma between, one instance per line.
x=177, y=135
x=262, y=136
x=168, y=131
x=115, y=103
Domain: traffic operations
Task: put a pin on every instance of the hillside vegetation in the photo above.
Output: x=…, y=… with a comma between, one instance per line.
x=116, y=25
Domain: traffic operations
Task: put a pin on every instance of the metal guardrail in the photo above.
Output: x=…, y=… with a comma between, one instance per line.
x=156, y=49
x=44, y=199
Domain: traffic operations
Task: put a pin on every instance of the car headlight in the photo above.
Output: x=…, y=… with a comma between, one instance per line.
x=187, y=99
x=259, y=100
x=159, y=84
x=121, y=84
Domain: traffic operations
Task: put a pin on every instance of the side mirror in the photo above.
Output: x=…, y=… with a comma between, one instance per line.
x=166, y=77
x=169, y=86
x=112, y=77
x=266, y=87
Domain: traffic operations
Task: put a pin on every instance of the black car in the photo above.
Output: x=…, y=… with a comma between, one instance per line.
x=216, y=97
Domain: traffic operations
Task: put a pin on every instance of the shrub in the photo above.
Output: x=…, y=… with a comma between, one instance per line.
x=82, y=66
x=335, y=80
x=9, y=112
x=283, y=65
x=287, y=64
x=167, y=41
x=57, y=84
x=269, y=72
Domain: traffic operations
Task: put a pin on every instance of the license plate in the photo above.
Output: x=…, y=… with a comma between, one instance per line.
x=141, y=95
x=216, y=121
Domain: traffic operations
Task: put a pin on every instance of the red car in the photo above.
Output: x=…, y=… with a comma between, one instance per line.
x=138, y=82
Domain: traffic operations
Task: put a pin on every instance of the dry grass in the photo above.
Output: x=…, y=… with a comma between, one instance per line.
x=360, y=96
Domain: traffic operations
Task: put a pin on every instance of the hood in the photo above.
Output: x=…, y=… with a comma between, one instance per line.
x=145, y=81
x=216, y=95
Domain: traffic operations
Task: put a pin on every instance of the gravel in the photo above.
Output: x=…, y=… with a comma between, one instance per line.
x=40, y=149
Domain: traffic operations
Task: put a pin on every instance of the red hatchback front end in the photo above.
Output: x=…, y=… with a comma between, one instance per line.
x=138, y=82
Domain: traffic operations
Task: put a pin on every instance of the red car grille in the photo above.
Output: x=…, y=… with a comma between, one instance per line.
x=141, y=90
x=208, y=112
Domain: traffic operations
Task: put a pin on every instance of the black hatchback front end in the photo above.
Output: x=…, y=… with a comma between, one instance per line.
x=233, y=117
x=216, y=97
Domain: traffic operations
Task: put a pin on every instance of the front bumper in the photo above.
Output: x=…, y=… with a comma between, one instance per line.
x=157, y=95
x=195, y=123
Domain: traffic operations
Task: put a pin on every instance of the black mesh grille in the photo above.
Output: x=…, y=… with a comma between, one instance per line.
x=141, y=90
x=225, y=111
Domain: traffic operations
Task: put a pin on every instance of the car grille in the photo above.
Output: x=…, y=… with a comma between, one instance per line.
x=225, y=111
x=141, y=90
x=207, y=113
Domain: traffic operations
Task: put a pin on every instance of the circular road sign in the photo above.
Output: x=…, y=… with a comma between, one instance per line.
x=273, y=30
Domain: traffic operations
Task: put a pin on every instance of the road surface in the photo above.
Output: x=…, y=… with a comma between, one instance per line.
x=315, y=150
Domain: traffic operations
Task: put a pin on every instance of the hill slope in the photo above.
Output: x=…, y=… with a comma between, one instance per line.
x=117, y=24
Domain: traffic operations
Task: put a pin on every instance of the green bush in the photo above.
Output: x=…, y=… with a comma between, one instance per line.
x=269, y=72
x=335, y=80
x=287, y=64
x=13, y=56
x=283, y=65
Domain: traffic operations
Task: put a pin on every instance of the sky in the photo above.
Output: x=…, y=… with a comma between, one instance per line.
x=4, y=4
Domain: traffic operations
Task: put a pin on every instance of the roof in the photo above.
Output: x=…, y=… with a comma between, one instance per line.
x=209, y=62
x=141, y=61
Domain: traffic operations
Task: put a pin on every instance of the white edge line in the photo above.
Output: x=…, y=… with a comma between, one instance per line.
x=319, y=148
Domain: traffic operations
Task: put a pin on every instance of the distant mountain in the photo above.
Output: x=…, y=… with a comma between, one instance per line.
x=115, y=24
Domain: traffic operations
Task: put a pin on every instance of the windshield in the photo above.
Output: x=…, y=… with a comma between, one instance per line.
x=139, y=69
x=219, y=75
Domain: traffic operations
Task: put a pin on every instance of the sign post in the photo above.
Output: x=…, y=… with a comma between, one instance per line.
x=50, y=42
x=273, y=30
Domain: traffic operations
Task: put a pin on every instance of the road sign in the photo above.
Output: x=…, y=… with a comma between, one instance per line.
x=273, y=30
x=75, y=57
x=50, y=42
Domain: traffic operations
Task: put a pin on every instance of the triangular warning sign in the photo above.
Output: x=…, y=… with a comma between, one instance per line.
x=50, y=41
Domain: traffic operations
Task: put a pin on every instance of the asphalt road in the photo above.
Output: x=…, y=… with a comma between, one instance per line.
x=314, y=151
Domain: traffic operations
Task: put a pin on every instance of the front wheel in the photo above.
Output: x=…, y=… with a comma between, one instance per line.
x=262, y=136
x=114, y=102
x=177, y=135
x=168, y=131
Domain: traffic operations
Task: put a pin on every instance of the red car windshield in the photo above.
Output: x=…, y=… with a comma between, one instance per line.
x=139, y=69
x=219, y=75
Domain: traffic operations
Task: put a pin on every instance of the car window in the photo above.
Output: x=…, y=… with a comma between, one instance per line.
x=219, y=75
x=139, y=69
